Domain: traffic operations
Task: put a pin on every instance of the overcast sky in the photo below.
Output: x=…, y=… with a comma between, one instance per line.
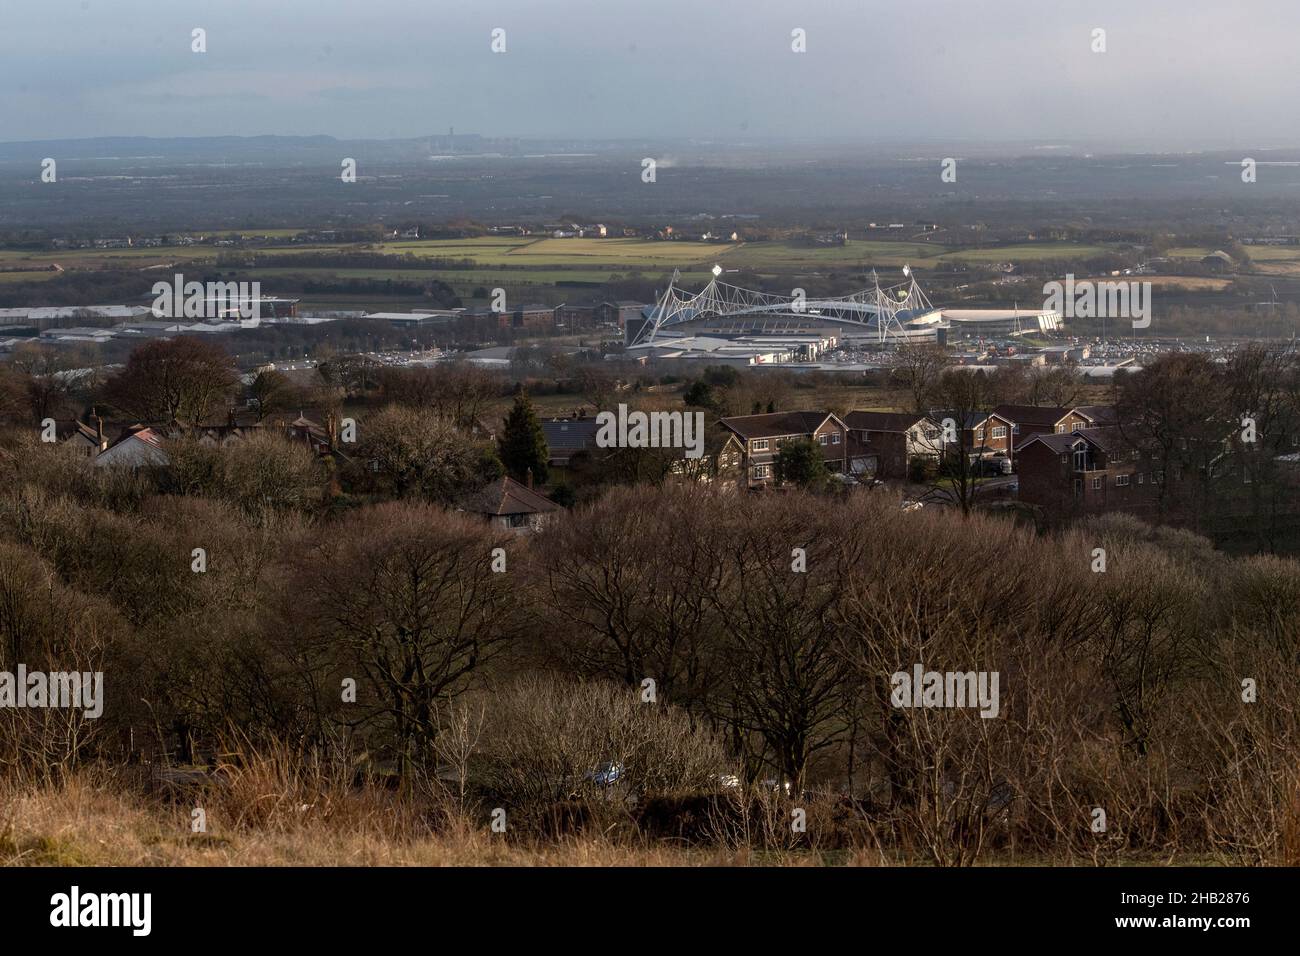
x=1176, y=73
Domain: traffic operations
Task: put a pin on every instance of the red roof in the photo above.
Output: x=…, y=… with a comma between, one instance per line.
x=505, y=496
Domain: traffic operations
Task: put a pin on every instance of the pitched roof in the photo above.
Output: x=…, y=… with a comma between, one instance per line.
x=970, y=419
x=65, y=430
x=146, y=433
x=776, y=423
x=1104, y=439
x=1101, y=414
x=882, y=421
x=1032, y=415
x=570, y=434
x=505, y=496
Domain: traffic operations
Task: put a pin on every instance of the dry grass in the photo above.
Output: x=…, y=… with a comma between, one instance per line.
x=93, y=820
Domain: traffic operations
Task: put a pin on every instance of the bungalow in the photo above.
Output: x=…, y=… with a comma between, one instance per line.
x=509, y=505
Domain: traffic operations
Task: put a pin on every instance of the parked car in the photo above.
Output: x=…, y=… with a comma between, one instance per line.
x=994, y=466
x=606, y=774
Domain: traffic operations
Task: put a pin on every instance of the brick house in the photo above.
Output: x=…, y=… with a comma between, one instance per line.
x=763, y=435
x=1085, y=472
x=983, y=435
x=1028, y=420
x=722, y=464
x=891, y=441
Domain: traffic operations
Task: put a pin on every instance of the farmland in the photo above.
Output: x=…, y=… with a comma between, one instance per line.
x=404, y=273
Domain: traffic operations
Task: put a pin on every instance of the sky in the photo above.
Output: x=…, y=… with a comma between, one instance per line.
x=1175, y=74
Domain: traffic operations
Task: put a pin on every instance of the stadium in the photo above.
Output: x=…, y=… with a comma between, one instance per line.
x=887, y=316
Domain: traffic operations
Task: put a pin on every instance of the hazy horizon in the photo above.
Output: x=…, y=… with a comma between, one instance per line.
x=1176, y=76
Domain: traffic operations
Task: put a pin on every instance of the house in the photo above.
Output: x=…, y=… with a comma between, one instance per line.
x=1086, y=471
x=320, y=439
x=509, y=505
x=1038, y=419
x=88, y=440
x=980, y=434
x=722, y=464
x=565, y=437
x=138, y=447
x=1027, y=420
x=892, y=441
x=763, y=435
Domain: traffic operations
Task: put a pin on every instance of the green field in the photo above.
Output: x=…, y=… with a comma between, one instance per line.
x=26, y=276
x=1029, y=252
x=785, y=256
x=524, y=262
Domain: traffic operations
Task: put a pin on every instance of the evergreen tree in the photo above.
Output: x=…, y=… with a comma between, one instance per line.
x=800, y=463
x=522, y=442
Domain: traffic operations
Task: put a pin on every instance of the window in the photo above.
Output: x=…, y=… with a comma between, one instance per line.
x=1075, y=427
x=999, y=431
x=1060, y=428
x=823, y=439
x=517, y=521
x=758, y=444
x=762, y=471
x=1140, y=477
x=835, y=438
x=1121, y=481
x=1065, y=459
x=1096, y=484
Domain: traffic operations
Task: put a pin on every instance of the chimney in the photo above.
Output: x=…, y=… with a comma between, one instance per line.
x=529, y=479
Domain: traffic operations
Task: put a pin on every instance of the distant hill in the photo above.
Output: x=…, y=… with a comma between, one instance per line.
x=281, y=149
